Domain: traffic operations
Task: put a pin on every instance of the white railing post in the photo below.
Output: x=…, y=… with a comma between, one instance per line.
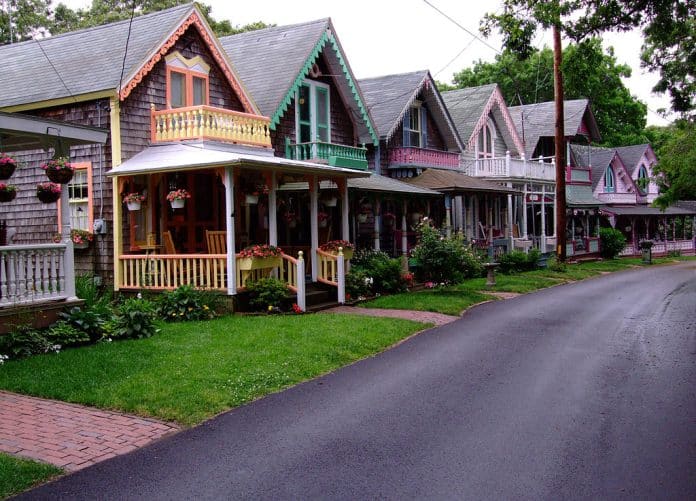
x=507, y=163
x=229, y=228
x=341, y=277
x=301, y=296
x=314, y=225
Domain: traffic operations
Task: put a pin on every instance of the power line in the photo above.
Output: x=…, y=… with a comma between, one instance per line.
x=462, y=27
x=125, y=52
x=55, y=69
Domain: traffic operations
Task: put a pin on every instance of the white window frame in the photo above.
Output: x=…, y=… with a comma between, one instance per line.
x=415, y=110
x=487, y=131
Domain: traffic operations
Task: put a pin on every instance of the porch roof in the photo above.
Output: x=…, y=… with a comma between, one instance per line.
x=385, y=184
x=580, y=196
x=171, y=157
x=645, y=210
x=456, y=182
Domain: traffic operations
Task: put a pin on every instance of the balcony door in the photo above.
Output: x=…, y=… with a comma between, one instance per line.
x=312, y=114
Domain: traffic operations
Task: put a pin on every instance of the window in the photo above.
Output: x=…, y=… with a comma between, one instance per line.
x=187, y=81
x=643, y=179
x=79, y=191
x=609, y=186
x=415, y=126
x=486, y=141
x=313, y=112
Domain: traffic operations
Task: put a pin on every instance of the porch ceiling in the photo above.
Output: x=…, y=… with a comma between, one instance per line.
x=205, y=155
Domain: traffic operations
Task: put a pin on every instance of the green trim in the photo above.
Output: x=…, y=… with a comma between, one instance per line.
x=326, y=37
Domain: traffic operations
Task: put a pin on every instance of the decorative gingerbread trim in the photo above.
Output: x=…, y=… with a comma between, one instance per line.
x=196, y=21
x=495, y=99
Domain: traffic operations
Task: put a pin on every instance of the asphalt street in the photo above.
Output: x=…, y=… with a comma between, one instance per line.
x=582, y=391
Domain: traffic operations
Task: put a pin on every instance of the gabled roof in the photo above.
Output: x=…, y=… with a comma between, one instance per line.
x=534, y=121
x=273, y=62
x=456, y=182
x=594, y=157
x=631, y=155
x=470, y=108
x=389, y=97
x=90, y=60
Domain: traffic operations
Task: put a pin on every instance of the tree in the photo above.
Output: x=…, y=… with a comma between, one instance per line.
x=677, y=166
x=20, y=20
x=668, y=27
x=587, y=72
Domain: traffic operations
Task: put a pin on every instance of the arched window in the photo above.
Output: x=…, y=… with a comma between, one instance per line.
x=486, y=141
x=609, y=185
x=643, y=179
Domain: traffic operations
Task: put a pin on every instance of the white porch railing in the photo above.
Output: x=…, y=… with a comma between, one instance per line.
x=662, y=247
x=617, y=198
x=509, y=167
x=32, y=273
x=169, y=271
x=332, y=271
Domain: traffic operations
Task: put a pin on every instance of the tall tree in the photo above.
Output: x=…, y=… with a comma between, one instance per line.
x=677, y=166
x=588, y=72
x=20, y=20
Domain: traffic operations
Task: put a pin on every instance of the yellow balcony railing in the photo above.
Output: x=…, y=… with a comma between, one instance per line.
x=206, y=122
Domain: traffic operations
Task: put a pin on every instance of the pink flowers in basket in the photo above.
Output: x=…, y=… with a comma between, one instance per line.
x=260, y=251
x=333, y=245
x=180, y=194
x=134, y=198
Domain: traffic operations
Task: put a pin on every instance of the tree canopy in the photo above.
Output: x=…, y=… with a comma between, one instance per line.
x=38, y=17
x=669, y=29
x=588, y=72
x=676, y=168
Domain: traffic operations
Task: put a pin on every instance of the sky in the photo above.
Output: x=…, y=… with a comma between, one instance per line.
x=382, y=37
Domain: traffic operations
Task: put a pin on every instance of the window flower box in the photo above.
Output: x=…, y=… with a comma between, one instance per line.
x=48, y=193
x=258, y=263
x=7, y=166
x=59, y=170
x=8, y=192
x=332, y=246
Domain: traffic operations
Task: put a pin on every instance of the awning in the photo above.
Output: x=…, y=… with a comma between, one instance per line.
x=206, y=155
x=456, y=182
x=383, y=184
x=23, y=132
x=644, y=210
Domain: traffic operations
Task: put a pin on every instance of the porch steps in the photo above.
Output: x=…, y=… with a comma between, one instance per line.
x=320, y=297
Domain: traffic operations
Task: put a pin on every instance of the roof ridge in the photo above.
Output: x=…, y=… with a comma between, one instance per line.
x=394, y=75
x=269, y=29
x=99, y=27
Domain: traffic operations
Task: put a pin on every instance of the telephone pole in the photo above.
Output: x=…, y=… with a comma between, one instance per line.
x=559, y=146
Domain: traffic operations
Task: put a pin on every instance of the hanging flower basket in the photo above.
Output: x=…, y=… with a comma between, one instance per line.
x=331, y=201
x=8, y=192
x=7, y=166
x=134, y=200
x=81, y=238
x=133, y=206
x=362, y=217
x=251, y=199
x=48, y=192
x=178, y=198
x=59, y=170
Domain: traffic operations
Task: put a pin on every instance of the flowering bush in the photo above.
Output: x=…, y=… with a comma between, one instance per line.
x=407, y=279
x=333, y=245
x=7, y=187
x=81, y=236
x=296, y=309
x=134, y=197
x=48, y=188
x=57, y=164
x=264, y=250
x=180, y=194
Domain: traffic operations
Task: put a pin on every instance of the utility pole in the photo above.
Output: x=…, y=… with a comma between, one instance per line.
x=559, y=146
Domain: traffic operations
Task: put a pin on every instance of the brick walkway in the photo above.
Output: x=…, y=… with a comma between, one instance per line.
x=418, y=316
x=71, y=436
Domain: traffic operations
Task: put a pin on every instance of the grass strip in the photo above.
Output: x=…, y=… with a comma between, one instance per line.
x=17, y=475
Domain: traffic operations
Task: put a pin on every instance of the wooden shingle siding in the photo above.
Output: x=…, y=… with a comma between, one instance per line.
x=435, y=139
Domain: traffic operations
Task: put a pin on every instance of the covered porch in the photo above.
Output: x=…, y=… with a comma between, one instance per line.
x=248, y=214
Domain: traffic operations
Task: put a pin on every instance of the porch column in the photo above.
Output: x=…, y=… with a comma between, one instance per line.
x=524, y=211
x=404, y=238
x=471, y=221
x=65, y=238
x=229, y=227
x=345, y=208
x=313, y=216
x=543, y=219
x=378, y=218
x=633, y=235
x=464, y=214
x=118, y=232
x=272, y=212
x=448, y=215
x=510, y=235
x=555, y=221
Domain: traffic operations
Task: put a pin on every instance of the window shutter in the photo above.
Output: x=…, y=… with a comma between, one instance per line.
x=407, y=128
x=424, y=127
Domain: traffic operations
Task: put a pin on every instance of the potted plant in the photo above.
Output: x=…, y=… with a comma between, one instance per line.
x=133, y=200
x=364, y=213
x=331, y=201
x=7, y=166
x=59, y=170
x=332, y=247
x=323, y=218
x=48, y=192
x=290, y=218
x=81, y=238
x=252, y=198
x=178, y=198
x=256, y=257
x=8, y=192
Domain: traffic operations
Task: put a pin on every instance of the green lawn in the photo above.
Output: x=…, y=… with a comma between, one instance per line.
x=194, y=370
x=17, y=475
x=453, y=300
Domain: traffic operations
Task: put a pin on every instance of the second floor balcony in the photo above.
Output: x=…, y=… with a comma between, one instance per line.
x=335, y=155
x=207, y=122
x=508, y=167
x=422, y=158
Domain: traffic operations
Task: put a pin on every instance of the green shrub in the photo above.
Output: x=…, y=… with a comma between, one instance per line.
x=266, y=293
x=358, y=283
x=381, y=273
x=24, y=341
x=612, y=242
x=88, y=320
x=444, y=260
x=519, y=261
x=555, y=265
x=65, y=334
x=187, y=303
x=135, y=319
x=674, y=253
x=87, y=290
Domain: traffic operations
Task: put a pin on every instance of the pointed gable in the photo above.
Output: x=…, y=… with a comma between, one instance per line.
x=472, y=107
x=632, y=157
x=273, y=62
x=389, y=98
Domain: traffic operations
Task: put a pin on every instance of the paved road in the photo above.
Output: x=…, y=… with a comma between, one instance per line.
x=580, y=391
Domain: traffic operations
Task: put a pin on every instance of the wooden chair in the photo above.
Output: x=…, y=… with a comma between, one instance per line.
x=217, y=241
x=168, y=242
